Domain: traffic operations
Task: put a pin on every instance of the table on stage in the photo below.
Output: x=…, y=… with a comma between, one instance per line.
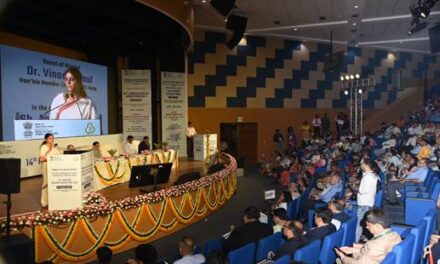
x=118, y=170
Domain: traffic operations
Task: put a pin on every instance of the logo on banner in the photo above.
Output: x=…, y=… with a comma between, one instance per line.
x=90, y=129
x=27, y=126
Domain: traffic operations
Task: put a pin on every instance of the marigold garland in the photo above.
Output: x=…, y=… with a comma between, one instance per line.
x=196, y=200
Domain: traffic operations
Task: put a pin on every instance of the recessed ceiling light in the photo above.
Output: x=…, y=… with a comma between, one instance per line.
x=354, y=23
x=295, y=29
x=356, y=6
x=204, y=1
x=356, y=45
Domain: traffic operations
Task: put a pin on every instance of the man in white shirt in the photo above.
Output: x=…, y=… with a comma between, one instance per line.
x=186, y=250
x=129, y=147
x=366, y=193
x=190, y=133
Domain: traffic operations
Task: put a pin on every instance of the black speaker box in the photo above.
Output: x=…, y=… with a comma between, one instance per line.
x=223, y=6
x=238, y=25
x=187, y=177
x=10, y=176
x=18, y=249
x=216, y=167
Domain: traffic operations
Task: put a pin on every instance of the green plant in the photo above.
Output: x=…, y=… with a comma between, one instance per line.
x=157, y=145
x=112, y=152
x=164, y=144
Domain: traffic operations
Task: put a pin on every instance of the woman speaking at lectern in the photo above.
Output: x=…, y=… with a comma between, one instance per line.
x=47, y=149
x=74, y=104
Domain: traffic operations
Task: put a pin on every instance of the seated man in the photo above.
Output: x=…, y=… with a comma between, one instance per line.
x=129, y=147
x=339, y=216
x=292, y=231
x=375, y=250
x=324, y=226
x=419, y=175
x=186, y=250
x=280, y=219
x=334, y=186
x=250, y=232
x=144, y=145
x=97, y=150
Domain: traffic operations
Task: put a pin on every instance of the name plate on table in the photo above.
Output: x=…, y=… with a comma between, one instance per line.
x=36, y=129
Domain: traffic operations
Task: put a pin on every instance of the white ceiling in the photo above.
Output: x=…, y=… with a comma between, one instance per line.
x=383, y=23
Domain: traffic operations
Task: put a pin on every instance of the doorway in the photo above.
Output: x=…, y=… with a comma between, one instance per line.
x=241, y=140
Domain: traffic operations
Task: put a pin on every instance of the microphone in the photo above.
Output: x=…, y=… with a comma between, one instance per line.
x=51, y=109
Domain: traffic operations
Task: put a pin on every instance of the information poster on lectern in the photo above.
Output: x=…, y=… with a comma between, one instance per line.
x=174, y=110
x=69, y=178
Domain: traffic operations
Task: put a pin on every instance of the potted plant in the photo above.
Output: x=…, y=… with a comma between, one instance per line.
x=112, y=152
x=157, y=145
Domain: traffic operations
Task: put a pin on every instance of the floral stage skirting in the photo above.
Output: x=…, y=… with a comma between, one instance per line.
x=74, y=236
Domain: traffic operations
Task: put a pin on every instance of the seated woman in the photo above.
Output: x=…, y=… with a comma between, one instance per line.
x=283, y=200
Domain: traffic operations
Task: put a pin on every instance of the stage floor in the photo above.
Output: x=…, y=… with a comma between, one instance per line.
x=28, y=200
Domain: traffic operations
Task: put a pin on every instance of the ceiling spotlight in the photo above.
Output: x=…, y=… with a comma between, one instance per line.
x=347, y=77
x=346, y=92
x=352, y=77
x=417, y=28
x=342, y=78
x=354, y=23
x=295, y=29
x=356, y=6
x=204, y=1
x=360, y=91
x=357, y=76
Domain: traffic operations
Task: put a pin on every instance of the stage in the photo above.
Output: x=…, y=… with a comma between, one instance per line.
x=120, y=217
x=28, y=200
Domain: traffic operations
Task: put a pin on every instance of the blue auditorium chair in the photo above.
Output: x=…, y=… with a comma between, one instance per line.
x=283, y=260
x=419, y=235
x=321, y=170
x=342, y=164
x=418, y=205
x=378, y=199
x=292, y=209
x=308, y=254
x=213, y=245
x=243, y=255
x=431, y=225
x=404, y=251
x=331, y=241
x=389, y=259
x=269, y=243
x=349, y=228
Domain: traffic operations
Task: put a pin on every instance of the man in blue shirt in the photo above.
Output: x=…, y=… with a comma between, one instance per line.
x=334, y=187
x=419, y=176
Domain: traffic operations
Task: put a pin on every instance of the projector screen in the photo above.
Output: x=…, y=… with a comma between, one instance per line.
x=39, y=96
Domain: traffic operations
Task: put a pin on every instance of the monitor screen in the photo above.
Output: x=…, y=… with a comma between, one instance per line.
x=42, y=93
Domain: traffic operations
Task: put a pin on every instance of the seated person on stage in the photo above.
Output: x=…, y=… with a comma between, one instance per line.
x=144, y=145
x=333, y=187
x=339, y=216
x=375, y=250
x=419, y=175
x=280, y=219
x=71, y=147
x=292, y=231
x=324, y=226
x=186, y=250
x=250, y=232
x=129, y=147
x=97, y=150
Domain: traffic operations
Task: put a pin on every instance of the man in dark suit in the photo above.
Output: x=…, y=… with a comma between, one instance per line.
x=293, y=232
x=324, y=226
x=250, y=232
